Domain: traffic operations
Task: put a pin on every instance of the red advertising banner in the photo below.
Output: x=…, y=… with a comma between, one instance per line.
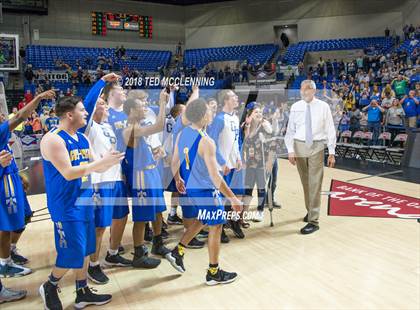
x=347, y=199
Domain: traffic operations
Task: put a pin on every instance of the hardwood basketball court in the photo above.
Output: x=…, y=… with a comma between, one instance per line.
x=350, y=263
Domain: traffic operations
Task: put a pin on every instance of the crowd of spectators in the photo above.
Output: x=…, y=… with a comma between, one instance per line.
x=374, y=92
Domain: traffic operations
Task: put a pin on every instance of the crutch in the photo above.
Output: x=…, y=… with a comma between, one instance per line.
x=267, y=182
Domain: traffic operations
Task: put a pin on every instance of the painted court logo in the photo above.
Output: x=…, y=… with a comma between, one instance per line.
x=349, y=199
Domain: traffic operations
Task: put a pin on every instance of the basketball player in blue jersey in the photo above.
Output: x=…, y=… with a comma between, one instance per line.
x=189, y=213
x=144, y=179
x=115, y=96
x=155, y=140
x=224, y=130
x=68, y=162
x=195, y=168
x=12, y=199
x=109, y=187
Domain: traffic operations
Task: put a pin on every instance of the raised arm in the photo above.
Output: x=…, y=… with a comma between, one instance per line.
x=141, y=131
x=194, y=95
x=54, y=150
x=24, y=113
x=90, y=100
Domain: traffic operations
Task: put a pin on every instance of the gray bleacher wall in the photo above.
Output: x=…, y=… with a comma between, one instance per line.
x=69, y=23
x=242, y=22
x=213, y=25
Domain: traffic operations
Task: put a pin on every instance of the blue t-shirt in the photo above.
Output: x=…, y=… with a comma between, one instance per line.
x=364, y=101
x=410, y=107
x=374, y=114
x=52, y=122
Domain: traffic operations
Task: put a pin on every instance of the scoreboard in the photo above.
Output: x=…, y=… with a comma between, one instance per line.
x=101, y=22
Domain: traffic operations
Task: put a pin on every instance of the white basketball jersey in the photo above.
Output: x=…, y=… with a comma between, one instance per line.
x=102, y=139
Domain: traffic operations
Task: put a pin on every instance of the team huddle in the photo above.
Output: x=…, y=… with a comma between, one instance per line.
x=112, y=148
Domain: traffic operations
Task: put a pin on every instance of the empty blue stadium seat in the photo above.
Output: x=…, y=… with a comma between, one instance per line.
x=252, y=53
x=43, y=57
x=296, y=52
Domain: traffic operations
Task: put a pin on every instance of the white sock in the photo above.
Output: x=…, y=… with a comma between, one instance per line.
x=13, y=247
x=112, y=252
x=173, y=211
x=5, y=261
x=93, y=264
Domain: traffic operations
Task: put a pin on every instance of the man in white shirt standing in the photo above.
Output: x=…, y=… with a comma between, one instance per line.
x=310, y=127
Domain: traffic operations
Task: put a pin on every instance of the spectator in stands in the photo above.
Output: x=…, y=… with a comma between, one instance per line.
x=351, y=68
x=410, y=104
x=336, y=67
x=364, y=98
x=395, y=118
x=387, y=32
x=28, y=96
x=355, y=116
x=19, y=129
x=349, y=102
x=245, y=77
x=51, y=122
x=29, y=74
x=122, y=52
x=100, y=60
x=221, y=75
x=21, y=103
x=344, y=123
x=406, y=32
x=2, y=117
x=27, y=127
x=87, y=78
x=356, y=94
x=374, y=116
x=35, y=123
x=376, y=93
x=301, y=68
x=178, y=49
x=45, y=113
x=388, y=97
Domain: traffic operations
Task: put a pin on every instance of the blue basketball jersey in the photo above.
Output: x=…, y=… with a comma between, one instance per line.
x=4, y=146
x=143, y=156
x=193, y=169
x=118, y=121
x=69, y=200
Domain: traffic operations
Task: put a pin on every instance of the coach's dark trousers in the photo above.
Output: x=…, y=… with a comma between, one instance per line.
x=310, y=165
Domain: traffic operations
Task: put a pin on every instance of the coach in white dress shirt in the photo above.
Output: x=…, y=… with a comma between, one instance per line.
x=310, y=127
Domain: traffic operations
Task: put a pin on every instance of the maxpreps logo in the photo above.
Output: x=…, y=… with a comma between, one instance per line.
x=206, y=215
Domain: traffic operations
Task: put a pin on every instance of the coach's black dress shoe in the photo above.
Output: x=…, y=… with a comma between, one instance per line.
x=305, y=219
x=309, y=229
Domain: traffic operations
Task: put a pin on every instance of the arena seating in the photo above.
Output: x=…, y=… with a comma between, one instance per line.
x=43, y=57
x=408, y=47
x=296, y=52
x=357, y=145
x=252, y=53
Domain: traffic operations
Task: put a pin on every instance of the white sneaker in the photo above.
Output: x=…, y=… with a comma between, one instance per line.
x=7, y=295
x=11, y=270
x=259, y=217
